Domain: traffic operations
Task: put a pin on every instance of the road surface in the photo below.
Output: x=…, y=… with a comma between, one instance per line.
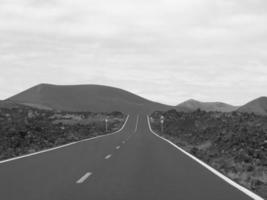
x=132, y=164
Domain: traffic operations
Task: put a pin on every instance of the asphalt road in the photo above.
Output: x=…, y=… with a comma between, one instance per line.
x=132, y=164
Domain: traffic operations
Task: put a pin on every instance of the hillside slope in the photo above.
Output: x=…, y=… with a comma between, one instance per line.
x=257, y=106
x=94, y=98
x=207, y=106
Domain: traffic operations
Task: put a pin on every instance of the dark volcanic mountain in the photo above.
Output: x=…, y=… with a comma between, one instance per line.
x=257, y=106
x=94, y=98
x=206, y=106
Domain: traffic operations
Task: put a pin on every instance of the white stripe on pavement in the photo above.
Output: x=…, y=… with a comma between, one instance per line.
x=83, y=178
x=108, y=156
x=136, y=125
x=118, y=147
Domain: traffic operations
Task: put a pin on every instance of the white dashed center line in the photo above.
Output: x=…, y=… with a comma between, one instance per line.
x=108, y=156
x=136, y=125
x=123, y=142
x=82, y=179
x=118, y=147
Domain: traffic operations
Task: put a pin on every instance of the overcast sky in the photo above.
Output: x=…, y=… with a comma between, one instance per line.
x=164, y=50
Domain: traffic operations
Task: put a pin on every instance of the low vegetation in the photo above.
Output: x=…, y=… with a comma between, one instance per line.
x=233, y=143
x=26, y=130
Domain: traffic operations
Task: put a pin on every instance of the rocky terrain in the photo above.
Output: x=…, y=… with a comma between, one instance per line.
x=26, y=130
x=234, y=143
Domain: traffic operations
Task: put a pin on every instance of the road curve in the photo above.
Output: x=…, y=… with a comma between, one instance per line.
x=132, y=164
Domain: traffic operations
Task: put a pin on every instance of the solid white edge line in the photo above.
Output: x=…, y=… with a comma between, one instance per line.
x=136, y=125
x=214, y=171
x=84, y=177
x=62, y=146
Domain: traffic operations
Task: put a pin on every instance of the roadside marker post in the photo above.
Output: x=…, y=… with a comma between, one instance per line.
x=106, y=124
x=162, y=123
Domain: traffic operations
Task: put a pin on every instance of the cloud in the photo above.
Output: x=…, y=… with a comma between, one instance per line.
x=166, y=50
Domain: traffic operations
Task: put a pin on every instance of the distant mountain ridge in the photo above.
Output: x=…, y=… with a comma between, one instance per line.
x=99, y=98
x=94, y=98
x=257, y=106
x=192, y=104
